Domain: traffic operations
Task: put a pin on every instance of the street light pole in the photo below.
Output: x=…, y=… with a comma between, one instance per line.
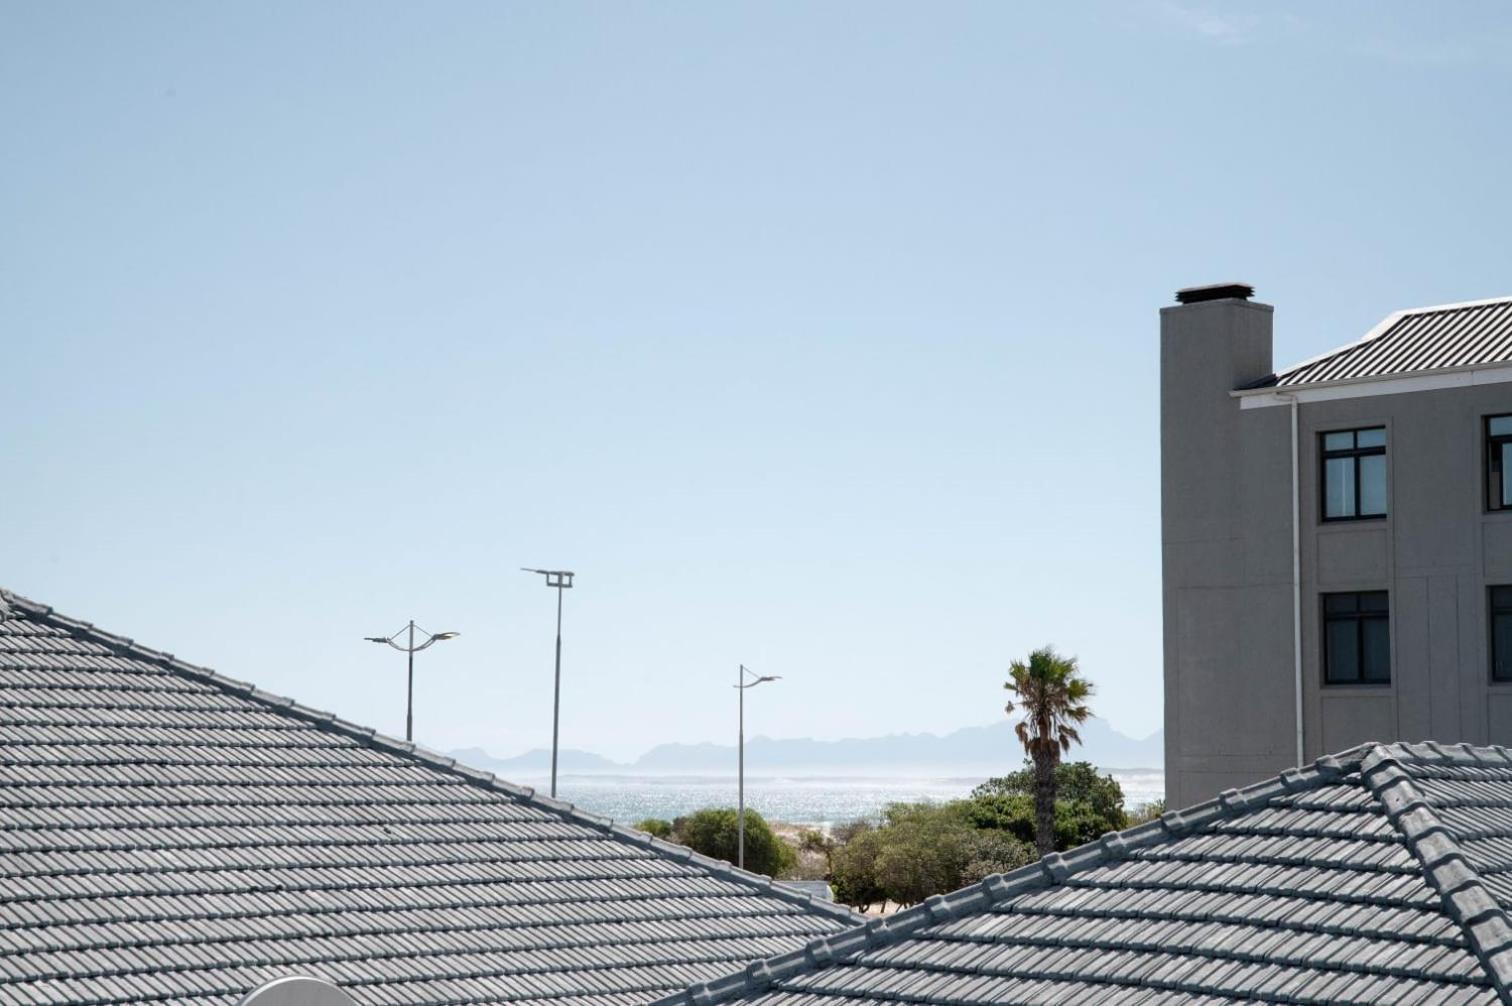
x=411, y=649
x=740, y=772
x=741, y=684
x=561, y=579
x=556, y=696
x=409, y=703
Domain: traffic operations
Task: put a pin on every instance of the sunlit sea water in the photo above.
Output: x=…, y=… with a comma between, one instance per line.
x=810, y=800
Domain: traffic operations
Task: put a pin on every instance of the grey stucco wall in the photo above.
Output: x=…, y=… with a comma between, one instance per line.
x=1437, y=551
x=1226, y=560
x=1225, y=555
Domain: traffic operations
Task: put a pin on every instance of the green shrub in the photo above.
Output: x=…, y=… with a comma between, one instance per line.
x=920, y=849
x=853, y=866
x=1087, y=806
x=714, y=832
x=812, y=850
x=924, y=850
x=810, y=840
x=655, y=826
x=990, y=852
x=1075, y=782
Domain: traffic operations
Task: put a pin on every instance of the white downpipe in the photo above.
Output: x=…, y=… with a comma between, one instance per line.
x=1296, y=493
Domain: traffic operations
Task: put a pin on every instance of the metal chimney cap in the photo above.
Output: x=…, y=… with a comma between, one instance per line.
x=1215, y=291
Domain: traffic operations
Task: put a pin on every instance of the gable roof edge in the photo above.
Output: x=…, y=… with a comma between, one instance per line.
x=1045, y=872
x=369, y=736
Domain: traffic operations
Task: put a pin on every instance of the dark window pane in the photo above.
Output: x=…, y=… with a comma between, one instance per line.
x=1375, y=600
x=1495, y=464
x=1375, y=656
x=1501, y=647
x=1506, y=474
x=1373, y=485
x=1338, y=441
x=1499, y=426
x=1371, y=438
x=1339, y=488
x=1501, y=597
x=1343, y=655
x=1334, y=603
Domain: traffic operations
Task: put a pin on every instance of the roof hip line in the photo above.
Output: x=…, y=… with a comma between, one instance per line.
x=1046, y=872
x=1445, y=865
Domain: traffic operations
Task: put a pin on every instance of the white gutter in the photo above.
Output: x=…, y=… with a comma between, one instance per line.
x=1388, y=384
x=1296, y=493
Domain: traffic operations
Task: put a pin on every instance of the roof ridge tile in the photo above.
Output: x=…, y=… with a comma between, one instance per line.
x=1445, y=866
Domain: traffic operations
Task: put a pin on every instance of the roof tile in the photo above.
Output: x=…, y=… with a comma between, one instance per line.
x=171, y=835
x=1345, y=882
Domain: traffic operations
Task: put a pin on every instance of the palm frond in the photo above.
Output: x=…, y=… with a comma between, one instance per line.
x=1051, y=697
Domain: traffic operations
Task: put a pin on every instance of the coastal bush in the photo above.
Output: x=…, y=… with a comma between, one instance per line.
x=812, y=849
x=814, y=840
x=918, y=850
x=924, y=850
x=1087, y=806
x=655, y=826
x=714, y=832
x=853, y=865
x=990, y=852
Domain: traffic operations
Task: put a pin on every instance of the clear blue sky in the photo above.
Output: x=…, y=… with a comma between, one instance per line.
x=819, y=337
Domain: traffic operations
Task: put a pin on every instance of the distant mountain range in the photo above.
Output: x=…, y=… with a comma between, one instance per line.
x=987, y=750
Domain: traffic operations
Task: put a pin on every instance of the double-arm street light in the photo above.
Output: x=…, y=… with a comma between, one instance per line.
x=741, y=683
x=412, y=649
x=561, y=579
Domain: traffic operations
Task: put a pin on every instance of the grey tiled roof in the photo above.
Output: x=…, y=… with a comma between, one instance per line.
x=1382, y=875
x=171, y=835
x=1420, y=340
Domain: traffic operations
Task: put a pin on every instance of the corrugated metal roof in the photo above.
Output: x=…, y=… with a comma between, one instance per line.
x=1447, y=337
x=1379, y=875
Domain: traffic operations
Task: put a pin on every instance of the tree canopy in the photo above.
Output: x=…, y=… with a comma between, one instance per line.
x=1087, y=804
x=917, y=850
x=714, y=832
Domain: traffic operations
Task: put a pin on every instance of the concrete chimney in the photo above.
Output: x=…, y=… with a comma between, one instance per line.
x=1214, y=341
x=1225, y=486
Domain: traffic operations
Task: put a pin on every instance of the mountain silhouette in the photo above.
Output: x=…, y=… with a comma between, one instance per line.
x=985, y=750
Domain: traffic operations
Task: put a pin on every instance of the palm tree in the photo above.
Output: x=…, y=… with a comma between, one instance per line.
x=1052, y=695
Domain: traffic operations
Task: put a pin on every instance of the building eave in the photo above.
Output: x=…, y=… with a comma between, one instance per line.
x=1367, y=387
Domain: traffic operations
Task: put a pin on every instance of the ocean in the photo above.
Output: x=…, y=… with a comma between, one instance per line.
x=818, y=801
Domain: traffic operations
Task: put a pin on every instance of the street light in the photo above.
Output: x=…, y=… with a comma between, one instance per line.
x=742, y=684
x=561, y=579
x=410, y=648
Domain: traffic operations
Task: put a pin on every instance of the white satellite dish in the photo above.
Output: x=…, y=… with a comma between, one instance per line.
x=297, y=991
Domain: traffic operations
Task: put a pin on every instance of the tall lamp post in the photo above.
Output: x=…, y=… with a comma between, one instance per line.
x=741, y=684
x=561, y=579
x=431, y=638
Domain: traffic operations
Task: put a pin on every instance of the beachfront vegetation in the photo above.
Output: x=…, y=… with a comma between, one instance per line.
x=1087, y=805
x=919, y=849
x=715, y=832
x=913, y=850
x=655, y=826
